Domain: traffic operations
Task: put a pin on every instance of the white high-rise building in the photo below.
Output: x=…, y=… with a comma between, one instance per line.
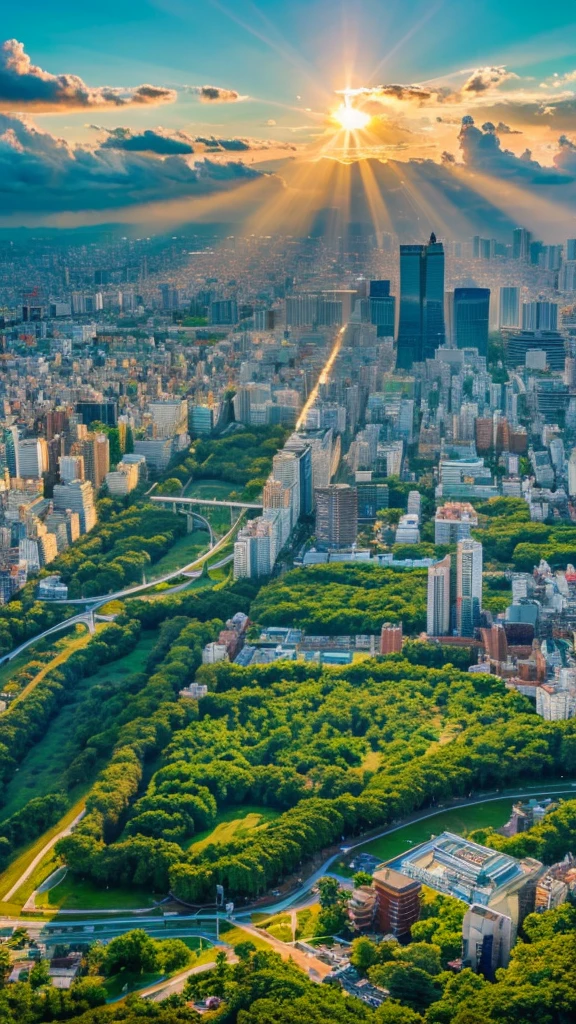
x=71, y=468
x=32, y=457
x=170, y=418
x=286, y=469
x=572, y=473
x=509, y=311
x=468, y=585
x=78, y=496
x=438, y=603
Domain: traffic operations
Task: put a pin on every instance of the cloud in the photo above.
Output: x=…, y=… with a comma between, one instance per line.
x=484, y=79
x=402, y=93
x=214, y=94
x=42, y=174
x=25, y=86
x=565, y=159
x=270, y=123
x=504, y=129
x=482, y=151
x=149, y=141
x=163, y=142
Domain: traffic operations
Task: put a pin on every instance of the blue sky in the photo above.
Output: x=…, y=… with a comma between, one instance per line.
x=277, y=51
x=507, y=64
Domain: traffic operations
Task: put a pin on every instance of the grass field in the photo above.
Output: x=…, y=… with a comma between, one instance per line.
x=183, y=551
x=75, y=894
x=217, y=489
x=492, y=814
x=235, y=823
x=63, y=649
x=14, y=870
x=234, y=935
x=55, y=646
x=42, y=769
x=129, y=981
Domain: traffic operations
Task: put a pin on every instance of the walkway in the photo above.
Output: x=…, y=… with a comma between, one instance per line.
x=39, y=856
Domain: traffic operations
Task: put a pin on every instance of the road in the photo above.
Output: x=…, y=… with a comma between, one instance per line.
x=301, y=896
x=95, y=602
x=45, y=849
x=86, y=617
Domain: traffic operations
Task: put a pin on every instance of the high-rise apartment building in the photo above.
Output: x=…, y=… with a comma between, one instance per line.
x=71, y=468
x=471, y=318
x=398, y=902
x=95, y=450
x=486, y=940
x=453, y=522
x=336, y=516
x=169, y=418
x=78, y=496
x=421, y=328
x=33, y=457
x=468, y=586
x=438, y=598
x=11, y=452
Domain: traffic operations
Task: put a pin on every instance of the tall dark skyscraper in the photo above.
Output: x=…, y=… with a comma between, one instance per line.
x=421, y=328
x=382, y=308
x=471, y=317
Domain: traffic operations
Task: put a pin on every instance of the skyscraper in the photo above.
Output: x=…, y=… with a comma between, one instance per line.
x=421, y=327
x=468, y=586
x=539, y=316
x=521, y=239
x=336, y=516
x=471, y=318
x=438, y=603
x=509, y=312
x=12, y=456
x=382, y=308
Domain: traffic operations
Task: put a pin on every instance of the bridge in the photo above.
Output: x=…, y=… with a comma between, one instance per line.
x=171, y=499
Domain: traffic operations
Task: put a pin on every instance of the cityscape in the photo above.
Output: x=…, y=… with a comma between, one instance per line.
x=287, y=514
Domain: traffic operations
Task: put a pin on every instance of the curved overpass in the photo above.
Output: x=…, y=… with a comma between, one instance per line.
x=95, y=602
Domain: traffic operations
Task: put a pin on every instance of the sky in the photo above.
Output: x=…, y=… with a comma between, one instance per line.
x=130, y=104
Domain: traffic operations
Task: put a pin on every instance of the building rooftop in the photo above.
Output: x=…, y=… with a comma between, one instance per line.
x=468, y=871
x=392, y=879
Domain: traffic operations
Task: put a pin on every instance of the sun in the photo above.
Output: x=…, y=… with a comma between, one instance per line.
x=350, y=118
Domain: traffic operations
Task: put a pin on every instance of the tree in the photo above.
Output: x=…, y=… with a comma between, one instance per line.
x=408, y=984
x=173, y=954
x=40, y=974
x=171, y=486
x=362, y=878
x=134, y=951
x=364, y=953
x=5, y=965
x=328, y=891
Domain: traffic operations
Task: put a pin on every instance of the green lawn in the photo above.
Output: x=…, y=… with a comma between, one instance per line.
x=128, y=981
x=233, y=935
x=217, y=489
x=466, y=819
x=42, y=769
x=75, y=894
x=236, y=822
x=183, y=551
